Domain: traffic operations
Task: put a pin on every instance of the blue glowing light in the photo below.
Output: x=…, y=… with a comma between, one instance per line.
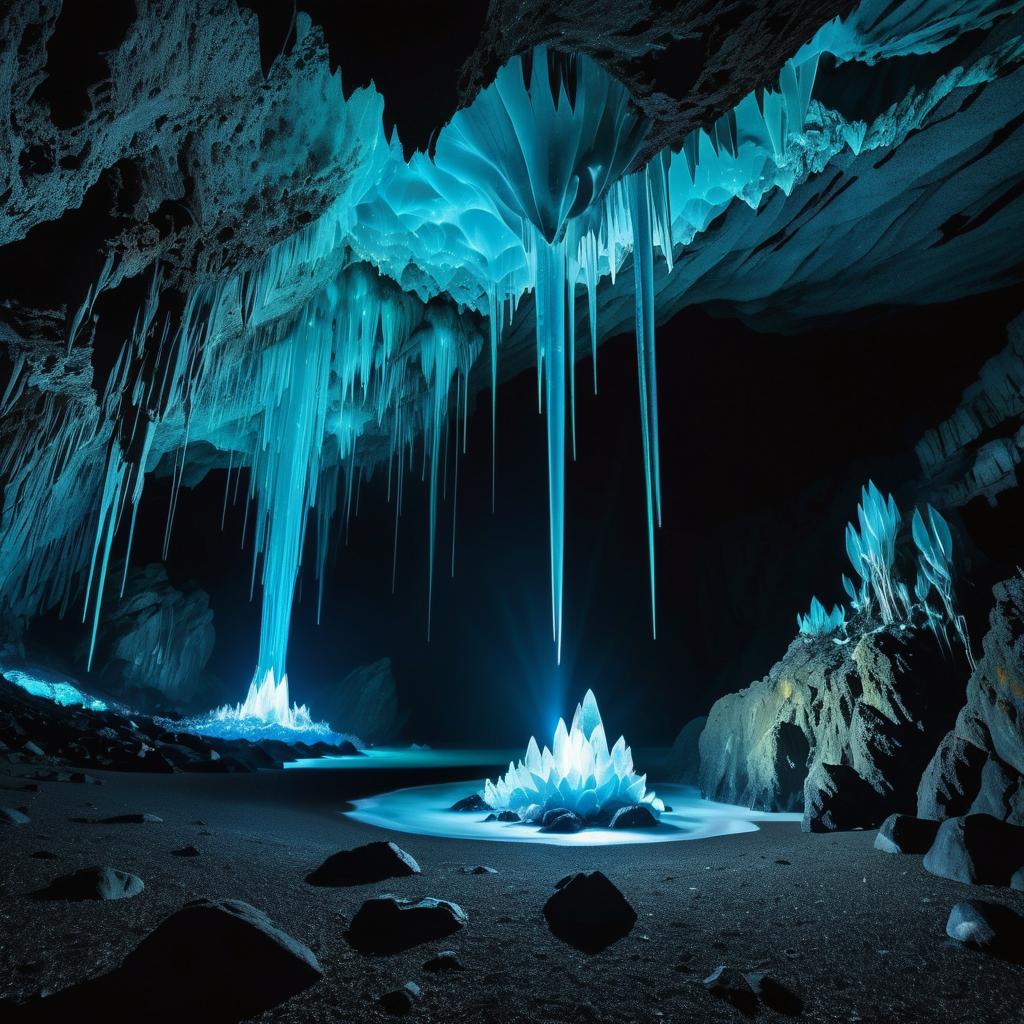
x=59, y=691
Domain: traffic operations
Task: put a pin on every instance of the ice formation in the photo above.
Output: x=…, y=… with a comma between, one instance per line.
x=60, y=691
x=354, y=339
x=579, y=773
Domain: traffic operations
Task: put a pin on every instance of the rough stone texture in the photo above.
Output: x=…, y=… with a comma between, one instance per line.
x=977, y=849
x=370, y=863
x=837, y=798
x=589, y=912
x=685, y=64
x=155, y=641
x=990, y=927
x=869, y=705
x=389, y=924
x=979, y=764
x=683, y=762
x=977, y=450
x=633, y=817
x=903, y=833
x=365, y=703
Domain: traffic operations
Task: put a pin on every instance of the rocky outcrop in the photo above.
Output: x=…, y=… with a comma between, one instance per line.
x=977, y=450
x=365, y=703
x=979, y=765
x=841, y=730
x=155, y=641
x=683, y=762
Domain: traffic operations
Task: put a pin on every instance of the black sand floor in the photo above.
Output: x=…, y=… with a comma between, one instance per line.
x=860, y=935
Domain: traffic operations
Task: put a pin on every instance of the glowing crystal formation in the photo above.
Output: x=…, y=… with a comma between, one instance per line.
x=580, y=773
x=59, y=691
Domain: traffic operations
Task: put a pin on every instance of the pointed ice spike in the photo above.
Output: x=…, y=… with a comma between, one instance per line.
x=590, y=718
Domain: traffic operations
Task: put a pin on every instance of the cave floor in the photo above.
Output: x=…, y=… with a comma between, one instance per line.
x=859, y=934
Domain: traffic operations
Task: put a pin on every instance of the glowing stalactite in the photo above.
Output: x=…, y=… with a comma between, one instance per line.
x=550, y=306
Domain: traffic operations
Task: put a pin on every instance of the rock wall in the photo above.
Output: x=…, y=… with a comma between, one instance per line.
x=979, y=765
x=155, y=641
x=365, y=703
x=871, y=705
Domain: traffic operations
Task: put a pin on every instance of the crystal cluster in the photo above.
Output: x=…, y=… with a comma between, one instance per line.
x=580, y=774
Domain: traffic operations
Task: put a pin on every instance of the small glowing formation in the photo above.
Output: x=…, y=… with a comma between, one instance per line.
x=265, y=714
x=60, y=692
x=580, y=774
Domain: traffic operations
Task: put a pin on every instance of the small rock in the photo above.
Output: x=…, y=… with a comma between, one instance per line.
x=446, y=960
x=186, y=851
x=388, y=924
x=637, y=816
x=12, y=816
x=1017, y=880
x=44, y=855
x=198, y=821
x=565, y=822
x=990, y=927
x=903, y=833
x=34, y=749
x=731, y=985
x=370, y=863
x=556, y=812
x=473, y=802
x=480, y=869
x=978, y=849
x=508, y=816
x=588, y=912
x=94, y=883
x=130, y=819
x=84, y=780
x=400, y=1001
x=775, y=995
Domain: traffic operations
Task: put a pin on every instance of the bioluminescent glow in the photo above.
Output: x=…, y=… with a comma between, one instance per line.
x=353, y=340
x=265, y=714
x=59, y=691
x=579, y=774
x=425, y=810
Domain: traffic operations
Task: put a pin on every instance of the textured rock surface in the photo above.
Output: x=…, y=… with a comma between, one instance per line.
x=979, y=764
x=977, y=450
x=388, y=924
x=370, y=863
x=365, y=703
x=872, y=706
x=155, y=641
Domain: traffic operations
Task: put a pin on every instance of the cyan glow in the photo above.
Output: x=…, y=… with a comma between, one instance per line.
x=60, y=692
x=579, y=773
x=340, y=350
x=425, y=811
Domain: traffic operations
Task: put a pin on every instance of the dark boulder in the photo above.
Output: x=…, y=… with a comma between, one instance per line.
x=837, y=798
x=365, y=703
x=93, y=883
x=634, y=817
x=145, y=818
x=370, y=863
x=563, y=822
x=588, y=912
x=185, y=851
x=388, y=924
x=903, y=833
x=473, y=802
x=507, y=816
x=977, y=849
x=445, y=961
x=990, y=927
x=12, y=816
x=401, y=1000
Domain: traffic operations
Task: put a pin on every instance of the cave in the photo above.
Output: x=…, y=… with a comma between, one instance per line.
x=511, y=510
